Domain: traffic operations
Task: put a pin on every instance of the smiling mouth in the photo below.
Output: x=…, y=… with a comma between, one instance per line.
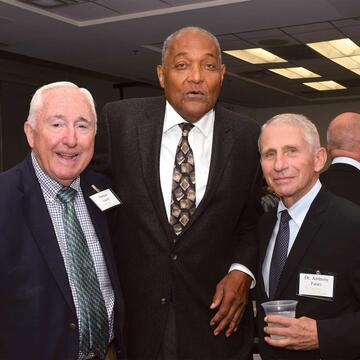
x=67, y=156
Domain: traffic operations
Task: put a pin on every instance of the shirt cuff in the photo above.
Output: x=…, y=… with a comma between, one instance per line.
x=245, y=270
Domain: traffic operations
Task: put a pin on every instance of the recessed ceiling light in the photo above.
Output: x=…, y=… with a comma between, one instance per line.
x=325, y=85
x=342, y=51
x=295, y=73
x=255, y=56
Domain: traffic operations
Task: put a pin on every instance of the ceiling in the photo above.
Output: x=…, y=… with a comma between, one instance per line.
x=123, y=38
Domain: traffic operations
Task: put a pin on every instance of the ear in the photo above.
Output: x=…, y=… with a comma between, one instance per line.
x=222, y=71
x=29, y=132
x=160, y=73
x=320, y=159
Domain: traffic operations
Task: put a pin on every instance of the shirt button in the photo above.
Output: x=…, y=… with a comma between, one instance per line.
x=72, y=326
x=163, y=301
x=173, y=256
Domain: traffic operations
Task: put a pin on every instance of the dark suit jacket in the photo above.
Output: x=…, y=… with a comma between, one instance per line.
x=153, y=269
x=328, y=241
x=38, y=318
x=342, y=180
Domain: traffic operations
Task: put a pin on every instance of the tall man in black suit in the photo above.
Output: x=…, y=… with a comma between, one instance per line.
x=343, y=143
x=186, y=253
x=58, y=280
x=308, y=250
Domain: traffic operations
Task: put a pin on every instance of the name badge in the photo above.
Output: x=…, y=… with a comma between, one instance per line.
x=105, y=199
x=317, y=285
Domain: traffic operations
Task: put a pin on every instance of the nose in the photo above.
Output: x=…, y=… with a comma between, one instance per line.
x=70, y=137
x=195, y=74
x=280, y=163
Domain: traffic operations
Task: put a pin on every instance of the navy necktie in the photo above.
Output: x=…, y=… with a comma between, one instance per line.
x=280, y=253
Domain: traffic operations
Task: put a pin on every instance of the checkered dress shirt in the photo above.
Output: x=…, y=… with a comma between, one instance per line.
x=50, y=188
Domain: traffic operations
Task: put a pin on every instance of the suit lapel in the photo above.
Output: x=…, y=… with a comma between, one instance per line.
x=99, y=221
x=40, y=224
x=306, y=236
x=149, y=135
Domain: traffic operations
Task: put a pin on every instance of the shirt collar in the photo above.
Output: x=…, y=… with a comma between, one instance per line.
x=346, y=160
x=172, y=118
x=49, y=186
x=299, y=210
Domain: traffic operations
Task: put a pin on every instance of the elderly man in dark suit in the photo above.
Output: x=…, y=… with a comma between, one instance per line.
x=343, y=143
x=308, y=250
x=60, y=295
x=186, y=171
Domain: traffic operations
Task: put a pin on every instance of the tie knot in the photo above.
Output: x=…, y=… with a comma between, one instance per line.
x=185, y=128
x=285, y=216
x=66, y=194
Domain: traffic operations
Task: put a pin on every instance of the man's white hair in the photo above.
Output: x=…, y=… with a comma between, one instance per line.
x=309, y=130
x=37, y=99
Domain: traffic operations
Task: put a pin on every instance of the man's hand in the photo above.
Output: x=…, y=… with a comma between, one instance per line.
x=301, y=334
x=232, y=296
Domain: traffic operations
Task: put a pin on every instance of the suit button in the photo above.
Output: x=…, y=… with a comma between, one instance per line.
x=72, y=326
x=173, y=256
x=163, y=301
x=174, y=240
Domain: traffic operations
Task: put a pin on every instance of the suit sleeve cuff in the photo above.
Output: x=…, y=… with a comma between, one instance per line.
x=245, y=270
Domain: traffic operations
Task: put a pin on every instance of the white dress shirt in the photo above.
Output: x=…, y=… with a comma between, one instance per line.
x=346, y=160
x=297, y=212
x=200, y=139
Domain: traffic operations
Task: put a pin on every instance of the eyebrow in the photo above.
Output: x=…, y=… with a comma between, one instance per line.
x=184, y=53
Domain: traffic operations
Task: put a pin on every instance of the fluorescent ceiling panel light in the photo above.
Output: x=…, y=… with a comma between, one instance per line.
x=325, y=85
x=343, y=51
x=255, y=56
x=295, y=73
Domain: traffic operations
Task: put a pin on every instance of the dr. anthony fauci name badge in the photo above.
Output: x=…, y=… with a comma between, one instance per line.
x=317, y=285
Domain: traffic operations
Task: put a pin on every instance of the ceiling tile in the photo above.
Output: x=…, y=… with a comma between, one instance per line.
x=83, y=11
x=131, y=6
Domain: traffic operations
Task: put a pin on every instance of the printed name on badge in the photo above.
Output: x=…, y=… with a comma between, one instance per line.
x=316, y=285
x=105, y=199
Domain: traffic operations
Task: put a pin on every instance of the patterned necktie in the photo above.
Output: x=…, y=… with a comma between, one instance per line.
x=183, y=199
x=93, y=319
x=280, y=253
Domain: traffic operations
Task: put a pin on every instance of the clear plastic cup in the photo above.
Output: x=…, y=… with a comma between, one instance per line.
x=279, y=307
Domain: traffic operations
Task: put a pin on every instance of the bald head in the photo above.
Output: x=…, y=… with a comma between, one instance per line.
x=343, y=136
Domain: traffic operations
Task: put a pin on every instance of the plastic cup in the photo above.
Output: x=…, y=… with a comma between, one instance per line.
x=279, y=307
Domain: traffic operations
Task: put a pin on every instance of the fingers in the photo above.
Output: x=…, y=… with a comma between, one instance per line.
x=218, y=296
x=229, y=313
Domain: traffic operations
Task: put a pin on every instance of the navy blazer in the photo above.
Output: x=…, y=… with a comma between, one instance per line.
x=328, y=241
x=38, y=317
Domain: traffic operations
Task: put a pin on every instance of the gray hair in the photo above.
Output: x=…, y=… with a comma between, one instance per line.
x=310, y=133
x=169, y=39
x=38, y=98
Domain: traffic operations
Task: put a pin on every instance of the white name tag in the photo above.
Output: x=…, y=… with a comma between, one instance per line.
x=316, y=285
x=105, y=199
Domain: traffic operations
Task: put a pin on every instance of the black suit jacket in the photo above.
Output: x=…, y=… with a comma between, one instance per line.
x=153, y=269
x=38, y=317
x=343, y=180
x=328, y=241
